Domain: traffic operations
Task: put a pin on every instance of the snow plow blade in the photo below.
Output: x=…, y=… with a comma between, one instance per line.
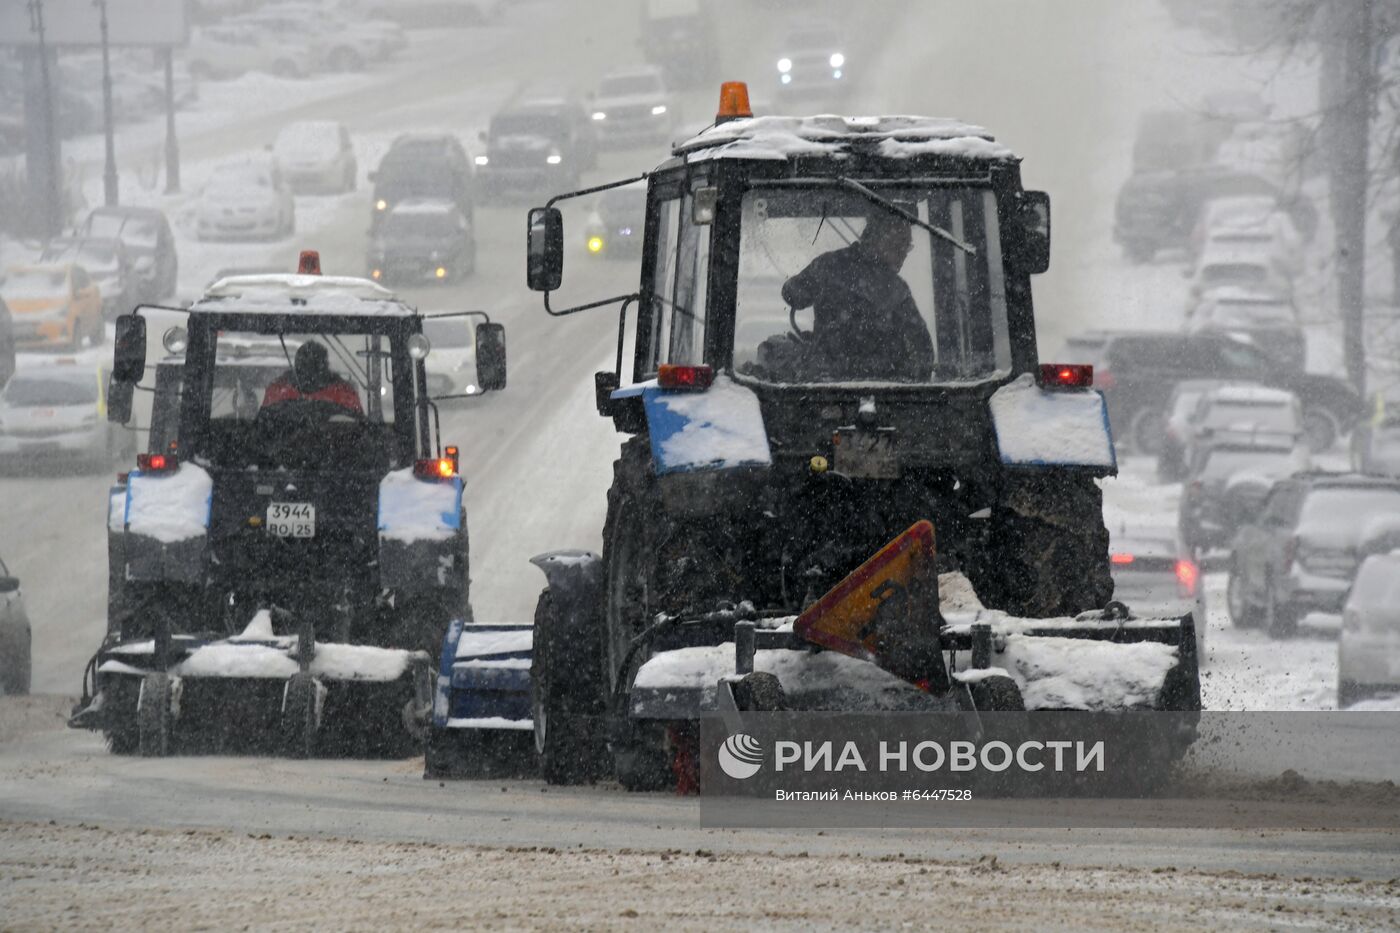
x=481, y=725
x=215, y=696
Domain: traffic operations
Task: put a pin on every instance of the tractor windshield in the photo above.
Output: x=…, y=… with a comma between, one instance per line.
x=834, y=287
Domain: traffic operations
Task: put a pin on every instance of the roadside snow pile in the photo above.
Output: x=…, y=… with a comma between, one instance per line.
x=169, y=507
x=1076, y=673
x=719, y=428
x=955, y=594
x=1034, y=425
x=411, y=509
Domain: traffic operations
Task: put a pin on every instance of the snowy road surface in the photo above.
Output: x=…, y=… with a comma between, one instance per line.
x=1063, y=85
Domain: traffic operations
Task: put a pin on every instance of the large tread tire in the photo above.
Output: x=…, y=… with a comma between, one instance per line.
x=1047, y=548
x=1243, y=614
x=155, y=716
x=300, y=716
x=997, y=694
x=567, y=702
x=760, y=692
x=120, y=727
x=1320, y=429
x=1148, y=428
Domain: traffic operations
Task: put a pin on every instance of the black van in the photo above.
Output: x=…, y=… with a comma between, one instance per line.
x=422, y=165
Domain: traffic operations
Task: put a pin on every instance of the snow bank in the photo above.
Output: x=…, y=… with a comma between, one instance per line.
x=169, y=507
x=720, y=428
x=412, y=509
x=1076, y=673
x=777, y=137
x=1036, y=426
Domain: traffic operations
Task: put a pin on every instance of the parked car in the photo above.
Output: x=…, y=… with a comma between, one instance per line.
x=1240, y=414
x=246, y=200
x=1257, y=216
x=451, y=365
x=1300, y=553
x=1177, y=429
x=1157, y=576
x=1136, y=370
x=53, y=306
x=15, y=636
x=1368, y=646
x=615, y=227
x=423, y=165
x=316, y=157
x=1170, y=140
x=1242, y=261
x=334, y=43
x=634, y=106
x=425, y=14
x=230, y=51
x=536, y=146
x=422, y=238
x=54, y=414
x=106, y=262
x=1227, y=483
x=1266, y=319
x=145, y=233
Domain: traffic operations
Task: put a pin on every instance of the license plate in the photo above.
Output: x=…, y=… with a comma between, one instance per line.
x=866, y=454
x=291, y=519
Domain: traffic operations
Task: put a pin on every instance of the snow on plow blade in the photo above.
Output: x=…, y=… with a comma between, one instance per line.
x=481, y=723
x=250, y=695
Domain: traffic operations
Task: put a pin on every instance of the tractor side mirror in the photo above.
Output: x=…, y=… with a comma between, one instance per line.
x=544, y=252
x=491, y=357
x=119, y=395
x=1033, y=218
x=129, y=349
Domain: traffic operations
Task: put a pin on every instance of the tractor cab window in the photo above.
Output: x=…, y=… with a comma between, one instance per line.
x=835, y=287
x=679, y=282
x=303, y=400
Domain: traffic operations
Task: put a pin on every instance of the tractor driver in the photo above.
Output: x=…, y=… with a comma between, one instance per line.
x=865, y=322
x=312, y=379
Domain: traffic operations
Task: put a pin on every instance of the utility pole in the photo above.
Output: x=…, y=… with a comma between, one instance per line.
x=172, y=146
x=109, y=169
x=41, y=157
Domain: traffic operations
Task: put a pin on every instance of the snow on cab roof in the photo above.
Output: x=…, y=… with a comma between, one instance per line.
x=894, y=137
x=312, y=294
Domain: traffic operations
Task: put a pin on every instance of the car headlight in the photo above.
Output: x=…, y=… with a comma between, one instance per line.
x=837, y=60
x=658, y=110
x=595, y=244
x=600, y=115
x=381, y=205
x=481, y=160
x=784, y=65
x=554, y=158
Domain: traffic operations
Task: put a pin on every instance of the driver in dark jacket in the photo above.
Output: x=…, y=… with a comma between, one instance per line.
x=866, y=325
x=312, y=379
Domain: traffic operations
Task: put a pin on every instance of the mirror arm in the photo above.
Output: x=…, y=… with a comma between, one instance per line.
x=622, y=330
x=485, y=318
x=596, y=188
x=635, y=296
x=437, y=428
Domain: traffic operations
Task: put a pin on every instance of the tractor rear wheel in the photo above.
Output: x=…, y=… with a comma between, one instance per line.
x=566, y=697
x=300, y=719
x=1047, y=552
x=997, y=694
x=155, y=716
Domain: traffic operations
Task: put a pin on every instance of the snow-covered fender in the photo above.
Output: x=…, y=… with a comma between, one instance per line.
x=422, y=535
x=702, y=431
x=1037, y=427
x=165, y=517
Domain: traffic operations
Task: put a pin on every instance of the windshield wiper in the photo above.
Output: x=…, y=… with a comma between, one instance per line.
x=898, y=211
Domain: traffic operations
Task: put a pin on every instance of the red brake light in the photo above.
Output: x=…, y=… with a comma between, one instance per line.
x=1121, y=559
x=1188, y=575
x=450, y=451
x=156, y=463
x=669, y=376
x=436, y=468
x=1066, y=375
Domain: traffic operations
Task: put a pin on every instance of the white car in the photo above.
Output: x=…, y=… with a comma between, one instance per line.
x=54, y=415
x=220, y=52
x=316, y=157
x=634, y=107
x=333, y=43
x=451, y=364
x=246, y=200
x=812, y=64
x=1256, y=217
x=1242, y=262
x=1368, y=648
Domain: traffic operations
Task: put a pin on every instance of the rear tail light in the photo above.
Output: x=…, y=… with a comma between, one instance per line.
x=1121, y=559
x=451, y=453
x=1066, y=375
x=669, y=376
x=436, y=468
x=156, y=463
x=1188, y=577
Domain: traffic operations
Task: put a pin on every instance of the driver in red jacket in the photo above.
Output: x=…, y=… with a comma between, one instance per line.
x=312, y=379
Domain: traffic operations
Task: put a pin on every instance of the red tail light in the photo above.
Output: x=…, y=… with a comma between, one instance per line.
x=1121, y=559
x=156, y=463
x=436, y=468
x=1066, y=375
x=1188, y=577
x=669, y=376
x=450, y=452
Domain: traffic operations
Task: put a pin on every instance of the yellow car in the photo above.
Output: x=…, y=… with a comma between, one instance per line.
x=53, y=306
